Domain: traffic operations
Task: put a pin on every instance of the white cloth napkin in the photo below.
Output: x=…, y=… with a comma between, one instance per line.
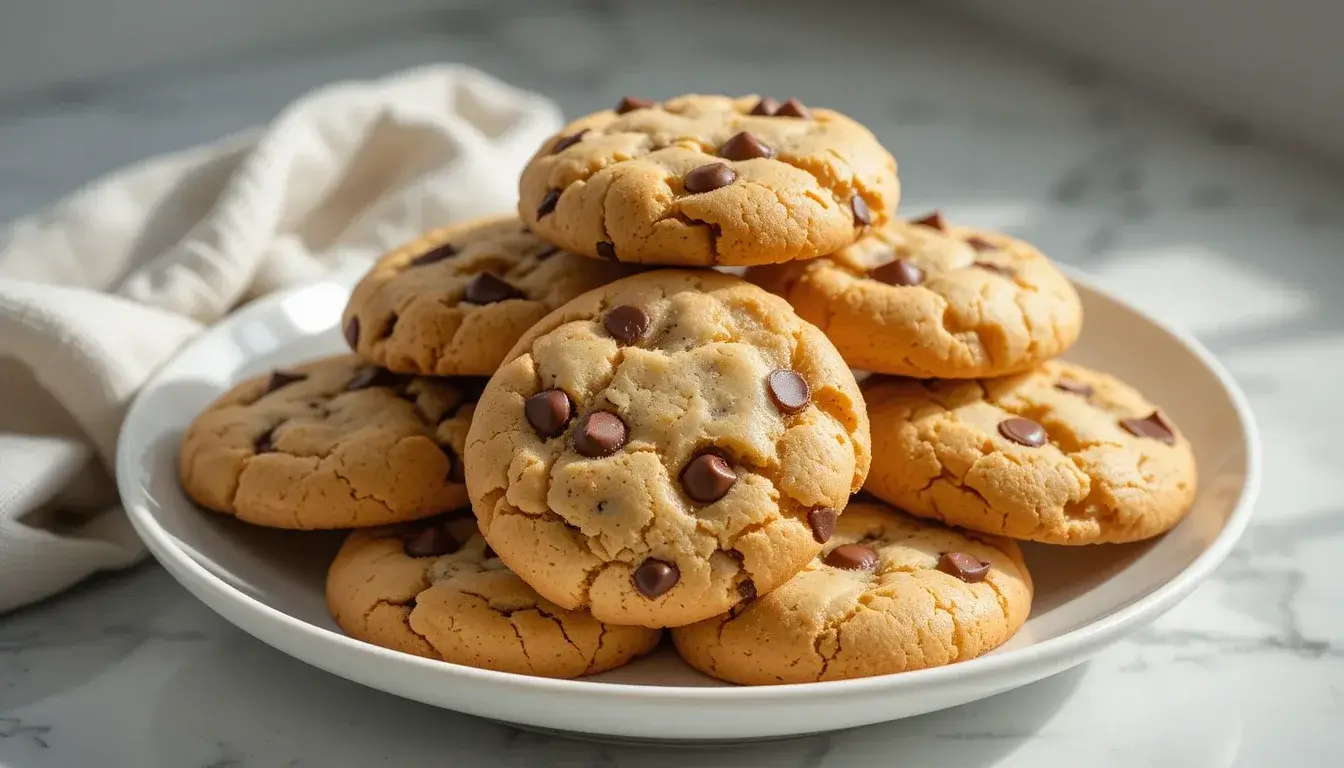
x=99, y=290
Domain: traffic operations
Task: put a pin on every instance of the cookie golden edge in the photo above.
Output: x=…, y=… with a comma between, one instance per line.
x=830, y=623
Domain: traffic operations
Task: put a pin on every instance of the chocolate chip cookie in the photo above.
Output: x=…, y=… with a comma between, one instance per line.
x=336, y=443
x=703, y=180
x=890, y=593
x=664, y=447
x=453, y=301
x=433, y=588
x=1061, y=455
x=926, y=299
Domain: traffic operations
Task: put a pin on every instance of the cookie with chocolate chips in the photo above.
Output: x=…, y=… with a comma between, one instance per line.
x=705, y=180
x=1061, y=455
x=335, y=443
x=451, y=302
x=434, y=588
x=664, y=445
x=890, y=593
x=923, y=298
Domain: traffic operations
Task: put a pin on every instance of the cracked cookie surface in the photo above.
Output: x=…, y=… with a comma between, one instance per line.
x=928, y=299
x=702, y=180
x=433, y=588
x=1061, y=455
x=454, y=300
x=335, y=443
x=891, y=593
x=664, y=446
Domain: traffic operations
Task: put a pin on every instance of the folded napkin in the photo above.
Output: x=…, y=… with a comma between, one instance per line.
x=102, y=288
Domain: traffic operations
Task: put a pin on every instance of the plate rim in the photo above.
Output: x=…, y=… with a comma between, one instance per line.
x=1046, y=653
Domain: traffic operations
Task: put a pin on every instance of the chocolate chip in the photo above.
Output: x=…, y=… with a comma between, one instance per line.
x=766, y=107
x=934, y=220
x=708, y=178
x=547, y=252
x=898, y=272
x=433, y=540
x=627, y=323
x=1023, y=431
x=654, y=577
x=965, y=567
x=851, y=557
x=707, y=478
x=747, y=589
x=822, y=522
x=372, y=376
x=352, y=333
x=599, y=434
x=548, y=411
x=981, y=244
x=1075, y=387
x=630, y=104
x=744, y=146
x=997, y=269
x=863, y=216
x=548, y=203
x=1154, y=426
x=789, y=391
x=265, y=442
x=486, y=288
x=445, y=251
x=793, y=108
x=283, y=379
x=606, y=250
x=565, y=142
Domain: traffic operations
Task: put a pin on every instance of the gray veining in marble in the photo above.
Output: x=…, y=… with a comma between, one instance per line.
x=1189, y=217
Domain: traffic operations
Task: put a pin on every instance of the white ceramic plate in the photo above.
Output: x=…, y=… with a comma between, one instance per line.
x=269, y=583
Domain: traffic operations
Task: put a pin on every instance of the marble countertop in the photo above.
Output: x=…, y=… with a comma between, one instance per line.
x=1195, y=219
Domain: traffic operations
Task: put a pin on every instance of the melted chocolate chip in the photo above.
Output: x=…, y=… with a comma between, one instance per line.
x=965, y=567
x=707, y=478
x=486, y=288
x=997, y=269
x=747, y=589
x=445, y=251
x=265, y=442
x=852, y=557
x=655, y=577
x=708, y=178
x=1154, y=426
x=744, y=146
x=352, y=333
x=980, y=244
x=793, y=108
x=766, y=107
x=549, y=412
x=283, y=379
x=1023, y=431
x=548, y=203
x=1075, y=387
x=599, y=434
x=630, y=104
x=898, y=272
x=789, y=391
x=822, y=522
x=607, y=250
x=863, y=215
x=627, y=323
x=565, y=142
x=934, y=220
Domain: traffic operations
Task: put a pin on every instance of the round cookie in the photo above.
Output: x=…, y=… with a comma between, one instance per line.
x=925, y=299
x=703, y=180
x=891, y=593
x=1061, y=455
x=434, y=589
x=453, y=301
x=660, y=447
x=335, y=443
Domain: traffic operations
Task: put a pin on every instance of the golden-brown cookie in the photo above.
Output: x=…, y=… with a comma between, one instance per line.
x=1061, y=455
x=434, y=589
x=661, y=447
x=335, y=443
x=926, y=299
x=453, y=301
x=702, y=180
x=891, y=593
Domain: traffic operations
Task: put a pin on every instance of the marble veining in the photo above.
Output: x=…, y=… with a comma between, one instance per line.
x=1194, y=218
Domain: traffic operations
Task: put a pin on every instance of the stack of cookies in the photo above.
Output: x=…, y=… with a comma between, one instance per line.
x=563, y=432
